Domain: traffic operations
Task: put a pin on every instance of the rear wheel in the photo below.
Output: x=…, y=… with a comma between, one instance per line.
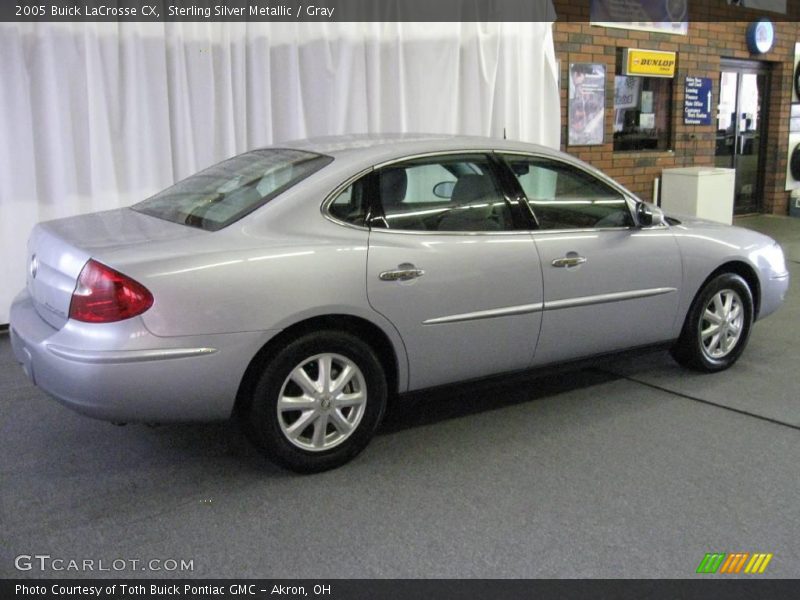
x=318, y=402
x=718, y=325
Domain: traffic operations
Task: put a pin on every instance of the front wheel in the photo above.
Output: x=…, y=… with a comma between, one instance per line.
x=318, y=402
x=718, y=325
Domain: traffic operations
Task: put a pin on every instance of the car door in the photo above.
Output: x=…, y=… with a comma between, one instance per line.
x=451, y=266
x=608, y=284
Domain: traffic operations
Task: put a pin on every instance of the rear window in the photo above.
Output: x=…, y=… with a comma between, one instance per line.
x=218, y=196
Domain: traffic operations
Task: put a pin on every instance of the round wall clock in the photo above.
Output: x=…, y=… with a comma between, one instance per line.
x=760, y=36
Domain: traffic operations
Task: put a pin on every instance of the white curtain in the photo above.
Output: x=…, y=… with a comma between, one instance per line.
x=100, y=115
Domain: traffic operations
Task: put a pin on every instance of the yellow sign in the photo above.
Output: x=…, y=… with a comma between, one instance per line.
x=650, y=63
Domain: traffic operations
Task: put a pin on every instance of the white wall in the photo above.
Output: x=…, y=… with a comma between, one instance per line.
x=100, y=115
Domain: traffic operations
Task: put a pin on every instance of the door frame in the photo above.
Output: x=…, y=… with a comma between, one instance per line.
x=753, y=67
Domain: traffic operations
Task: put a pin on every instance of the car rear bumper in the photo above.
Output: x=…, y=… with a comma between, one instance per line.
x=122, y=372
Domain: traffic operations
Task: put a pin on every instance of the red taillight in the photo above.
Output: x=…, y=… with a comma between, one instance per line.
x=103, y=295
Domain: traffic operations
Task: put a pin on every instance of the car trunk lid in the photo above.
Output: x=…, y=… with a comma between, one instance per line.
x=58, y=251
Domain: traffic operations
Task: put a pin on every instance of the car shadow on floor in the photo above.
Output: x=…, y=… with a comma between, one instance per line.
x=227, y=443
x=432, y=406
x=224, y=447
x=418, y=409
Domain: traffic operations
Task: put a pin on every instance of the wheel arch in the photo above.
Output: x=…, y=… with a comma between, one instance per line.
x=366, y=330
x=746, y=272
x=688, y=348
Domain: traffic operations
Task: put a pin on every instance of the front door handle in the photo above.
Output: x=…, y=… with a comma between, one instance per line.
x=404, y=272
x=569, y=261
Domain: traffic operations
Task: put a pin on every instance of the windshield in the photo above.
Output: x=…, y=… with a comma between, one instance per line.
x=218, y=196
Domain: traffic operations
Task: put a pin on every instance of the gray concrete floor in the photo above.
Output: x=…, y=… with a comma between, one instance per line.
x=634, y=468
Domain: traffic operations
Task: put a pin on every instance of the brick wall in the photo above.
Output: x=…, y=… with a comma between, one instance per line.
x=710, y=38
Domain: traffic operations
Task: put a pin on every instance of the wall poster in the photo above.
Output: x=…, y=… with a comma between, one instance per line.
x=662, y=16
x=587, y=99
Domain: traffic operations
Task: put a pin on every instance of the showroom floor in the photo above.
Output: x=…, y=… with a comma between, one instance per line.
x=634, y=468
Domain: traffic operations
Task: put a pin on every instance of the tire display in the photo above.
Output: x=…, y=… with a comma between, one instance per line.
x=794, y=163
x=797, y=80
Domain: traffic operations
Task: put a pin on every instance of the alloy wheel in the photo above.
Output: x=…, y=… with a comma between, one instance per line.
x=321, y=402
x=721, y=324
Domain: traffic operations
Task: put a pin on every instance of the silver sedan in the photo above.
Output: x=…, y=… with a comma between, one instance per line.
x=298, y=286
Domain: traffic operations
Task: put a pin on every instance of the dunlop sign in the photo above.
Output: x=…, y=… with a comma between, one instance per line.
x=650, y=63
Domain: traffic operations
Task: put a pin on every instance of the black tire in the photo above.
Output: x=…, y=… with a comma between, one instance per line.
x=690, y=350
x=266, y=428
x=794, y=163
x=797, y=80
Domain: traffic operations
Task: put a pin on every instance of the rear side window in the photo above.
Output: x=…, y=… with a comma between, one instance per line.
x=351, y=205
x=442, y=194
x=564, y=197
x=226, y=192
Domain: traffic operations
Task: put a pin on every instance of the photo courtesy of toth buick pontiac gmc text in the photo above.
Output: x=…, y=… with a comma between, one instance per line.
x=299, y=286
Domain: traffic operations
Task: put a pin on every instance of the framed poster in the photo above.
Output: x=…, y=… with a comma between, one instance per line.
x=587, y=101
x=778, y=6
x=662, y=16
x=626, y=91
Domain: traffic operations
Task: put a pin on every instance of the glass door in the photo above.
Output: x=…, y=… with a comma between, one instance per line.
x=741, y=129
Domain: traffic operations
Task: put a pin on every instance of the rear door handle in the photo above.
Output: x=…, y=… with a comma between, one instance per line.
x=404, y=272
x=569, y=261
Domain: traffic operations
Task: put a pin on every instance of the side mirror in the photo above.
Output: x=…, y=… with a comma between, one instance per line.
x=644, y=216
x=649, y=215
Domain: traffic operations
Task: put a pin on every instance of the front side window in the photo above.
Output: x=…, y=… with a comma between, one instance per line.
x=442, y=194
x=562, y=196
x=225, y=192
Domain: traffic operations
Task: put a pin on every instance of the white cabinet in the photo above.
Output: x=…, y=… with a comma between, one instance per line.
x=705, y=192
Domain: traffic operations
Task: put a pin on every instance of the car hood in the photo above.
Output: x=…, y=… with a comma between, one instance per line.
x=740, y=235
x=707, y=243
x=692, y=222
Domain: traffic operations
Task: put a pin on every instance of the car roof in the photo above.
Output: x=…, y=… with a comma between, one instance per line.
x=358, y=151
x=388, y=146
